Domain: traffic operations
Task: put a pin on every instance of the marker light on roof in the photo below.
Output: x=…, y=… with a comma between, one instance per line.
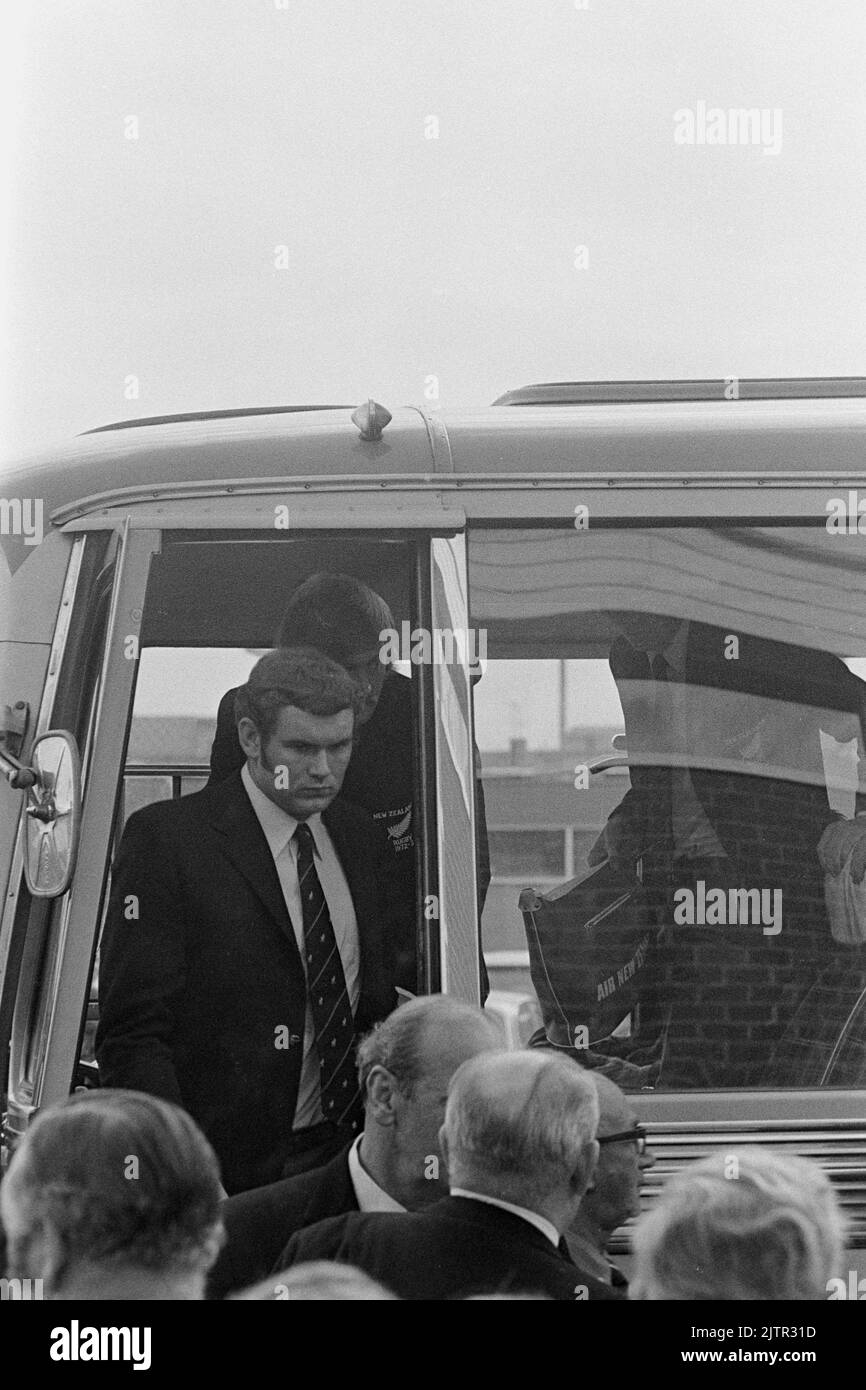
x=371, y=418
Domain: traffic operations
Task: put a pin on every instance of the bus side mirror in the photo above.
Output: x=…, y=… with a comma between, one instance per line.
x=52, y=814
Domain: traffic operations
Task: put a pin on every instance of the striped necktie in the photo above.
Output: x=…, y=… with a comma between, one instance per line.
x=333, y=1023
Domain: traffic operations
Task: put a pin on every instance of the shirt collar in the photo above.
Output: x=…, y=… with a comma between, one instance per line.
x=540, y=1223
x=368, y=1194
x=278, y=826
x=589, y=1257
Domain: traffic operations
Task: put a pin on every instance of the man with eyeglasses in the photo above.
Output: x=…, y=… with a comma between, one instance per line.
x=614, y=1193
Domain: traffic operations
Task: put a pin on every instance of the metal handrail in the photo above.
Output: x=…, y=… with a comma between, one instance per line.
x=166, y=770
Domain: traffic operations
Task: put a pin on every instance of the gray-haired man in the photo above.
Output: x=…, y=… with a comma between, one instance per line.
x=113, y=1195
x=519, y=1141
x=404, y=1067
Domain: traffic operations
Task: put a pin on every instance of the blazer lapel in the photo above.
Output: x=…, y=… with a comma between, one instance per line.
x=353, y=859
x=245, y=845
x=343, y=830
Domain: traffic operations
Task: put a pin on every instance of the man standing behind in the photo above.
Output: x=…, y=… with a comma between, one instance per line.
x=345, y=620
x=248, y=937
x=404, y=1067
x=614, y=1193
x=519, y=1143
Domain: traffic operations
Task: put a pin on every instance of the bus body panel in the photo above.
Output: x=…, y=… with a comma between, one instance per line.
x=629, y=463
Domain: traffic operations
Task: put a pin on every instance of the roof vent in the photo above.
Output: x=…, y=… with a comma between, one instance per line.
x=371, y=418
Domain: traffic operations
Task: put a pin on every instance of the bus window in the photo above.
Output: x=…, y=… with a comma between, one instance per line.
x=671, y=734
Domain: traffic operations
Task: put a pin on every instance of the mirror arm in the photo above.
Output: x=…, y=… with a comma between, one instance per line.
x=610, y=760
x=17, y=774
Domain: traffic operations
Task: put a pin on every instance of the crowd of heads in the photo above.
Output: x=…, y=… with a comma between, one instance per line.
x=116, y=1194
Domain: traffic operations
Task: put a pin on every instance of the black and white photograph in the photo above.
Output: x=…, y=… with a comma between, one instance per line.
x=432, y=671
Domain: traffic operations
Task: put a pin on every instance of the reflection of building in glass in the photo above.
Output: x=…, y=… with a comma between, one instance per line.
x=541, y=828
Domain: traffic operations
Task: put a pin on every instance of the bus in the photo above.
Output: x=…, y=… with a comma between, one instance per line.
x=538, y=555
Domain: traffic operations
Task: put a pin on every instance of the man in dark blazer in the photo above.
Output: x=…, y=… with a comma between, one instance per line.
x=223, y=906
x=404, y=1067
x=752, y=707
x=519, y=1143
x=343, y=618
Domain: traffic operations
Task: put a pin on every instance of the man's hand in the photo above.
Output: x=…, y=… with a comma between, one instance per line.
x=841, y=839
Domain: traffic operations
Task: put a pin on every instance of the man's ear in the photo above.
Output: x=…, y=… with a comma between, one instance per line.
x=584, y=1175
x=381, y=1096
x=248, y=737
x=443, y=1146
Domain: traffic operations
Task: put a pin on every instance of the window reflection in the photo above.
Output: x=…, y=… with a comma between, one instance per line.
x=697, y=936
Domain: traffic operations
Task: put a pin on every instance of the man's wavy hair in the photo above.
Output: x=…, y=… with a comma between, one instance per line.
x=299, y=676
x=402, y=1043
x=120, y=1177
x=743, y=1224
x=336, y=614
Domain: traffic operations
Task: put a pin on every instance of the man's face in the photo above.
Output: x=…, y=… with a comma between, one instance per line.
x=420, y=1116
x=617, y=1176
x=368, y=671
x=301, y=765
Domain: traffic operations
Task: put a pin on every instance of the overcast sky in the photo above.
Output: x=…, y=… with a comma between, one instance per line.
x=227, y=203
x=304, y=124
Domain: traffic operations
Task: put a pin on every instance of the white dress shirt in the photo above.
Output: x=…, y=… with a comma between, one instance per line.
x=368, y=1194
x=540, y=1223
x=279, y=829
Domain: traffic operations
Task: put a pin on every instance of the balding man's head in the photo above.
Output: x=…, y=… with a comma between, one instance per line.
x=521, y=1126
x=404, y=1067
x=424, y=1035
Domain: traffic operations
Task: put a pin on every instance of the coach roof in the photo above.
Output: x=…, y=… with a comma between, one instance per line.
x=258, y=451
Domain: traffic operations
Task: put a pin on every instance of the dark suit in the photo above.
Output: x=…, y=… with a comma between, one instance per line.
x=260, y=1223
x=454, y=1248
x=380, y=778
x=733, y=988
x=202, y=991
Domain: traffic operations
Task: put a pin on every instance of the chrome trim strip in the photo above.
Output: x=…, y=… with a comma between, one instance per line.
x=489, y=482
x=440, y=444
x=43, y=723
x=67, y=988
x=455, y=790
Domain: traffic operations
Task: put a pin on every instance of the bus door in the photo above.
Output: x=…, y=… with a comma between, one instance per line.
x=188, y=613
x=49, y=938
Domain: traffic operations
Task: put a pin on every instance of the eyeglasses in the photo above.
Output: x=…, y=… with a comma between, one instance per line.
x=638, y=1137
